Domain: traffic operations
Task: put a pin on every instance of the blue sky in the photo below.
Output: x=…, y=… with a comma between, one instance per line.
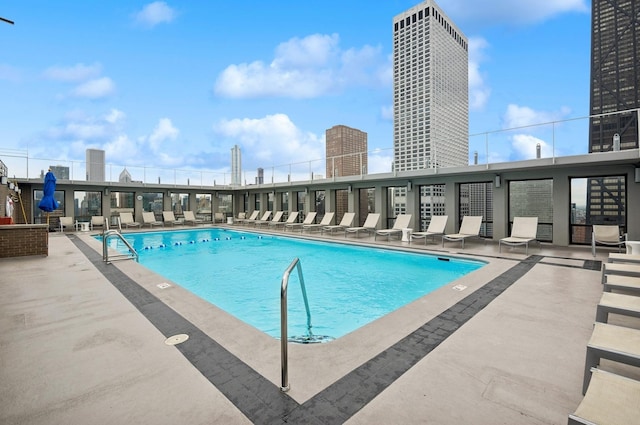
x=176, y=84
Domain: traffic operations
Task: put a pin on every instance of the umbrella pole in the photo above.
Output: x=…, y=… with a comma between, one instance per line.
x=24, y=214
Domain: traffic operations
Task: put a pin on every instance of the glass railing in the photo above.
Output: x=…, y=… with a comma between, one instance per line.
x=545, y=140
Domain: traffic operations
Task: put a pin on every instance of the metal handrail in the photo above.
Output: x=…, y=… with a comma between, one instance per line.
x=284, y=339
x=133, y=254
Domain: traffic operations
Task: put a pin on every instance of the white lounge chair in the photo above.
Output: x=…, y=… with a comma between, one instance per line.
x=265, y=217
x=402, y=222
x=190, y=218
x=307, y=220
x=622, y=304
x=170, y=218
x=326, y=221
x=524, y=230
x=469, y=228
x=242, y=217
x=609, y=235
x=98, y=221
x=293, y=216
x=347, y=221
x=276, y=218
x=611, y=342
x=149, y=218
x=369, y=225
x=436, y=227
x=126, y=220
x=610, y=399
x=67, y=223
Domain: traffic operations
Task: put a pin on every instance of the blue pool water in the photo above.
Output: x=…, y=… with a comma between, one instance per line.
x=241, y=273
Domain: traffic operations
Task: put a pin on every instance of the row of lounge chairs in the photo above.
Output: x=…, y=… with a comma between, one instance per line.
x=613, y=397
x=149, y=219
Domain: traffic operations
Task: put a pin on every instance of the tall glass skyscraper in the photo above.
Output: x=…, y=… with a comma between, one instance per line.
x=95, y=165
x=430, y=90
x=236, y=166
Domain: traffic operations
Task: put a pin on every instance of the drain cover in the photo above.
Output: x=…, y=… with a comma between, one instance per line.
x=176, y=339
x=459, y=287
x=163, y=285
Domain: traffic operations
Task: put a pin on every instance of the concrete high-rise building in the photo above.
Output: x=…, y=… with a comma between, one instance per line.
x=95, y=165
x=346, y=151
x=615, y=86
x=125, y=176
x=60, y=171
x=615, y=79
x=430, y=90
x=260, y=176
x=236, y=166
x=430, y=100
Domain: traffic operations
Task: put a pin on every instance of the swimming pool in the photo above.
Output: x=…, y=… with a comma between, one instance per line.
x=240, y=272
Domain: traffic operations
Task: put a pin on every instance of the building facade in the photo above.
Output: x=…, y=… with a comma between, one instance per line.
x=430, y=99
x=236, y=166
x=95, y=165
x=615, y=88
x=346, y=152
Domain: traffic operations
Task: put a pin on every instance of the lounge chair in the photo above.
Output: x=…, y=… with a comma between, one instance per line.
x=265, y=217
x=402, y=222
x=369, y=225
x=98, y=221
x=347, y=221
x=610, y=399
x=609, y=235
x=190, y=218
x=619, y=269
x=170, y=218
x=241, y=217
x=623, y=304
x=291, y=219
x=524, y=230
x=218, y=217
x=627, y=284
x=623, y=258
x=326, y=221
x=252, y=217
x=149, y=218
x=68, y=222
x=307, y=220
x=436, y=227
x=616, y=343
x=276, y=218
x=469, y=228
x=126, y=220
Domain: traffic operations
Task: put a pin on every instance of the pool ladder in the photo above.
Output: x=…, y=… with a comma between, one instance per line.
x=284, y=339
x=131, y=255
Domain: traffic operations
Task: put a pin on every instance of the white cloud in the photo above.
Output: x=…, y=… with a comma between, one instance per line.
x=76, y=73
x=95, y=89
x=305, y=68
x=271, y=140
x=526, y=146
x=478, y=90
x=379, y=163
x=509, y=12
x=522, y=116
x=155, y=13
x=164, y=131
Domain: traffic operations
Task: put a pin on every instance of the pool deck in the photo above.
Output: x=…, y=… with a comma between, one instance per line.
x=84, y=342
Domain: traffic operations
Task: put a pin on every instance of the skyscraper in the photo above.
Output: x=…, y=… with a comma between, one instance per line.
x=615, y=78
x=95, y=165
x=430, y=90
x=236, y=166
x=430, y=100
x=346, y=150
x=615, y=87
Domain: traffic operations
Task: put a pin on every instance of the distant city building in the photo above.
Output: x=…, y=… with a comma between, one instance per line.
x=125, y=176
x=615, y=44
x=236, y=166
x=346, y=152
x=615, y=86
x=260, y=177
x=430, y=90
x=95, y=165
x=60, y=171
x=430, y=100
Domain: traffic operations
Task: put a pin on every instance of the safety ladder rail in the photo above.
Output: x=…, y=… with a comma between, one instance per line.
x=133, y=254
x=284, y=339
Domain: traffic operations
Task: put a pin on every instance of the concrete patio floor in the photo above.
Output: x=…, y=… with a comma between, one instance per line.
x=77, y=348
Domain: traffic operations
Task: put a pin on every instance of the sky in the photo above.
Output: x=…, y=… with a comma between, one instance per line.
x=175, y=85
